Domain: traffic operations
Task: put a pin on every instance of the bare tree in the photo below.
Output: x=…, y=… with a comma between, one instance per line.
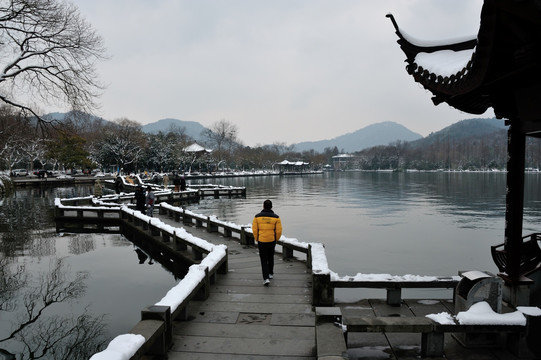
x=222, y=135
x=48, y=53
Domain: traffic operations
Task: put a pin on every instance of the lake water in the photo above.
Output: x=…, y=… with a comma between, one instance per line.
x=370, y=222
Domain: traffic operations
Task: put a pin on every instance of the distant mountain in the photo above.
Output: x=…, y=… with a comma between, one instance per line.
x=372, y=135
x=463, y=129
x=193, y=129
x=81, y=119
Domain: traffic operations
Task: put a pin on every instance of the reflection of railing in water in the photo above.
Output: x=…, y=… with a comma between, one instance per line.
x=530, y=254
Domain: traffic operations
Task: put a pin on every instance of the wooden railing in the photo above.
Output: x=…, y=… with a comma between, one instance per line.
x=192, y=193
x=228, y=229
x=155, y=324
x=153, y=334
x=82, y=216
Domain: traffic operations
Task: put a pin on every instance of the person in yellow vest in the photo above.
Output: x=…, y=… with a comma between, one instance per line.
x=267, y=229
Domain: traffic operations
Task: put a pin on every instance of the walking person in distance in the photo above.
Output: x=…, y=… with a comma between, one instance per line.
x=140, y=199
x=267, y=229
x=150, y=201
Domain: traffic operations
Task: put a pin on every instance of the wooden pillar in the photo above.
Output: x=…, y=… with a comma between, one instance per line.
x=514, y=203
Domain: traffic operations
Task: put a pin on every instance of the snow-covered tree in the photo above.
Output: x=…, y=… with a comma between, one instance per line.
x=123, y=145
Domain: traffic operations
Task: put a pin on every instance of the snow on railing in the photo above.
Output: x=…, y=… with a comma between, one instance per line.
x=196, y=273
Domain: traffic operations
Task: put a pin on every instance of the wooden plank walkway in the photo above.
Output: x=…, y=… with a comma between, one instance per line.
x=242, y=319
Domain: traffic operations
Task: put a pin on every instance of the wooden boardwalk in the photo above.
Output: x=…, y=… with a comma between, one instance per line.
x=242, y=319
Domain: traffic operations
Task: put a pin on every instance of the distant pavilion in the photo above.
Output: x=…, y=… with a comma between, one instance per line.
x=342, y=161
x=292, y=167
x=499, y=68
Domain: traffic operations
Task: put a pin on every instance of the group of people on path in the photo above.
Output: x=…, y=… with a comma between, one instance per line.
x=179, y=182
x=145, y=202
x=266, y=226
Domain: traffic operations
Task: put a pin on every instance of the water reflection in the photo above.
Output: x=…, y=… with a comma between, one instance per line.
x=37, y=329
x=81, y=243
x=398, y=223
x=106, y=301
x=422, y=223
x=141, y=256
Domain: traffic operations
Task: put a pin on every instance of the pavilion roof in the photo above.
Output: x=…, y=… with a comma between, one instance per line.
x=497, y=68
x=294, y=163
x=196, y=148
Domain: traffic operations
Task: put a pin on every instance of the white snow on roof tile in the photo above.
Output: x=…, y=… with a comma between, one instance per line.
x=444, y=62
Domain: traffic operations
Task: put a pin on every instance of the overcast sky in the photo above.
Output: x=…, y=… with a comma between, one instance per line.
x=281, y=70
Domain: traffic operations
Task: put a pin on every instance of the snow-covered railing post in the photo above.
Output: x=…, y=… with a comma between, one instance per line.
x=224, y=268
x=161, y=345
x=204, y=291
x=322, y=290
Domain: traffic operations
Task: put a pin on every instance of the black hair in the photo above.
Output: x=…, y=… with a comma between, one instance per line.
x=267, y=204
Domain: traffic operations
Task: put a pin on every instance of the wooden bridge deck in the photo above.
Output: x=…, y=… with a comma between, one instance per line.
x=242, y=319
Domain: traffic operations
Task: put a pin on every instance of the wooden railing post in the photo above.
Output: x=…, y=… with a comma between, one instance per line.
x=322, y=290
x=179, y=245
x=309, y=257
x=287, y=252
x=162, y=210
x=245, y=237
x=154, y=231
x=224, y=267
x=163, y=313
x=204, y=291
x=211, y=226
x=186, y=219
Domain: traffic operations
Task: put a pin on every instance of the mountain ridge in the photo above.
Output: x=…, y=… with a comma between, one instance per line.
x=462, y=129
x=192, y=128
x=381, y=133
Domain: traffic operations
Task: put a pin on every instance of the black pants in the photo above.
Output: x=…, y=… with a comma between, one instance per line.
x=266, y=254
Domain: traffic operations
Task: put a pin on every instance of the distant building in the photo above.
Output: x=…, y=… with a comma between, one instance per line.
x=343, y=161
x=290, y=167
